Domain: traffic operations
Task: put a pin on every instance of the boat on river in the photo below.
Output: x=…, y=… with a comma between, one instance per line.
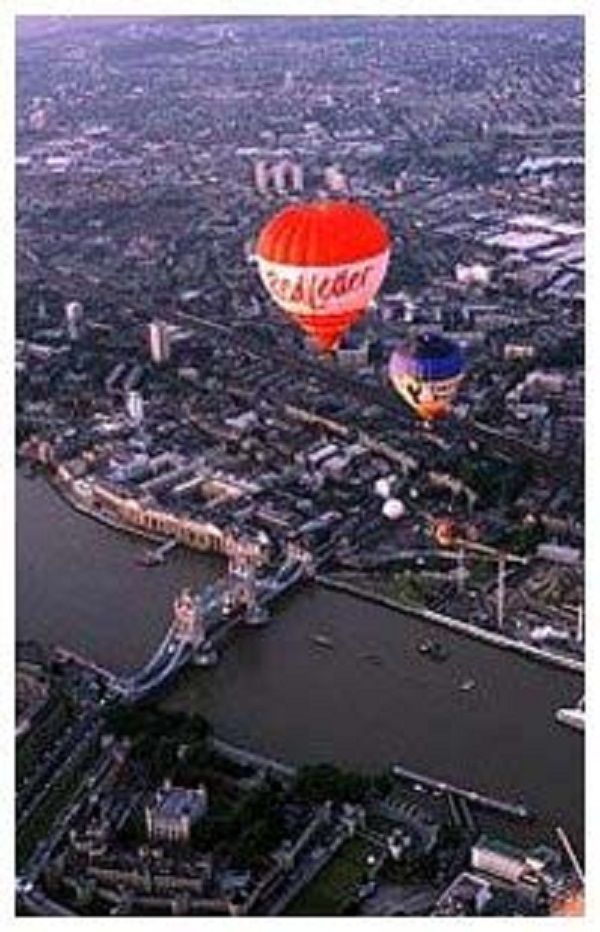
x=433, y=649
x=372, y=658
x=574, y=718
x=467, y=685
x=321, y=640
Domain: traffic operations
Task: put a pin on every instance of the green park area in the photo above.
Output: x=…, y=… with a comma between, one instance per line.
x=334, y=888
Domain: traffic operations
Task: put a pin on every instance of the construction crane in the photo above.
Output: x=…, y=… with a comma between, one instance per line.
x=568, y=847
x=447, y=535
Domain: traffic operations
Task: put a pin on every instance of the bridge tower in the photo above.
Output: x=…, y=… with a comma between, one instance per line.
x=244, y=558
x=296, y=553
x=188, y=624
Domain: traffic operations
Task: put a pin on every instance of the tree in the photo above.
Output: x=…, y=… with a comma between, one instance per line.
x=149, y=720
x=321, y=782
x=525, y=538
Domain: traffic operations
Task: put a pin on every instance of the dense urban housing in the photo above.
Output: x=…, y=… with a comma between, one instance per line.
x=162, y=393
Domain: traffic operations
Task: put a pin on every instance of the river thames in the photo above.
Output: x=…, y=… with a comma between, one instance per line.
x=365, y=700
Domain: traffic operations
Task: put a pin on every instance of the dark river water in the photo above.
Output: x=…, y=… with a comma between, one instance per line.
x=366, y=701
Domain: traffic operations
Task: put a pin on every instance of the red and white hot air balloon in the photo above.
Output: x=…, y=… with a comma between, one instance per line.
x=323, y=262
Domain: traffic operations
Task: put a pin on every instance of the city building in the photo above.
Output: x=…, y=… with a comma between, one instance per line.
x=261, y=177
x=134, y=405
x=476, y=274
x=335, y=180
x=499, y=859
x=174, y=811
x=74, y=319
x=160, y=342
x=287, y=177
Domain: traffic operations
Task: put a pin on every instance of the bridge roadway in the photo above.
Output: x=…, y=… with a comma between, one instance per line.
x=177, y=648
x=63, y=655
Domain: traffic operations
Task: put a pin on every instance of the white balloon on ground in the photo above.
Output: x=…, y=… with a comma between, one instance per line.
x=393, y=509
x=383, y=487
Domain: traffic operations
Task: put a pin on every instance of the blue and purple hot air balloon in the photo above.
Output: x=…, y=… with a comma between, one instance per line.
x=426, y=372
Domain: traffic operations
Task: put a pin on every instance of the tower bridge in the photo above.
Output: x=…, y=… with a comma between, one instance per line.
x=201, y=622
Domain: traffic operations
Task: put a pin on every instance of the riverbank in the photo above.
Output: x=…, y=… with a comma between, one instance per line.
x=455, y=624
x=85, y=584
x=247, y=758
x=121, y=511
x=89, y=511
x=279, y=694
x=491, y=637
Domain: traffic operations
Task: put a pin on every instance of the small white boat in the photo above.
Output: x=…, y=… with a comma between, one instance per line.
x=467, y=685
x=574, y=718
x=322, y=641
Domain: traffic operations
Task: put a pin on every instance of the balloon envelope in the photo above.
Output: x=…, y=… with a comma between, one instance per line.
x=393, y=509
x=322, y=263
x=427, y=373
x=445, y=532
